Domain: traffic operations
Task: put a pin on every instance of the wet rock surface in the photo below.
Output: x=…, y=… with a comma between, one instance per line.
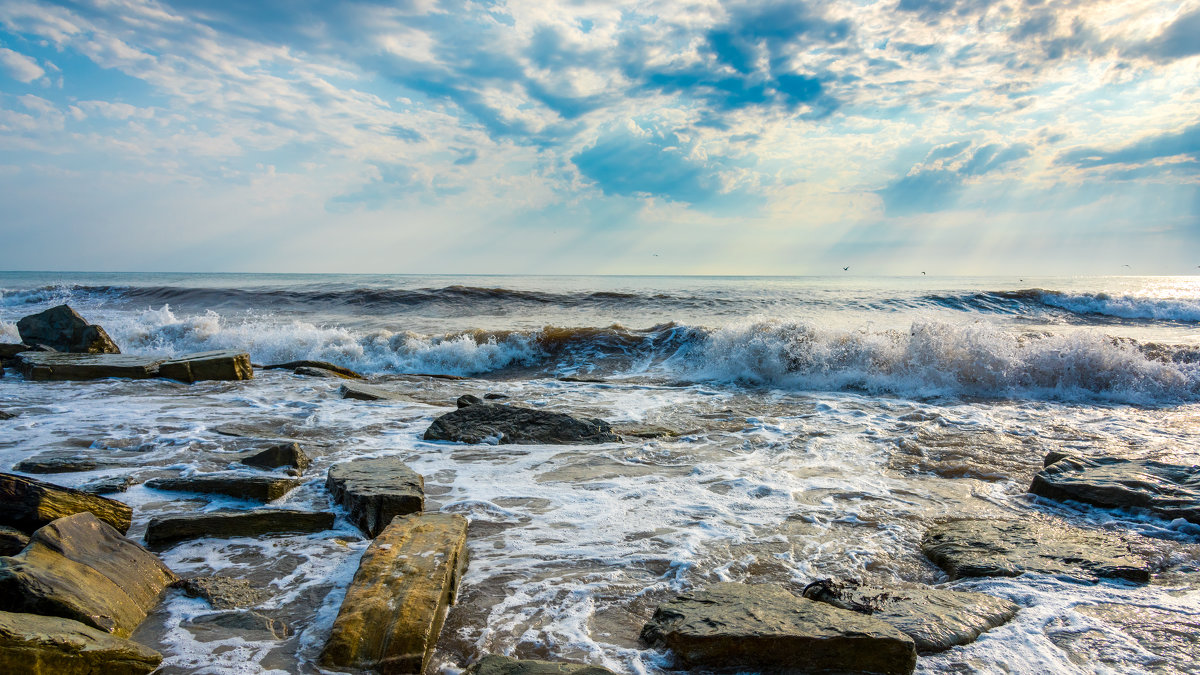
x=1169, y=490
x=281, y=454
x=325, y=366
x=375, y=491
x=219, y=365
x=214, y=365
x=1009, y=548
x=41, y=645
x=110, y=485
x=64, y=330
x=245, y=624
x=748, y=627
x=12, y=540
x=503, y=424
x=170, y=529
x=223, y=592
x=494, y=664
x=366, y=392
x=397, y=601
x=28, y=504
x=258, y=488
x=936, y=619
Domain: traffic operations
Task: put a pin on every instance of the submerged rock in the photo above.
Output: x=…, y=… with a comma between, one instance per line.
x=326, y=366
x=497, y=423
x=82, y=569
x=44, y=645
x=248, y=625
x=12, y=540
x=223, y=592
x=27, y=504
x=494, y=664
x=110, y=485
x=258, y=488
x=1169, y=490
x=64, y=330
x=375, y=491
x=935, y=619
x=221, y=365
x=282, y=454
x=234, y=524
x=1009, y=548
x=56, y=462
x=760, y=627
x=5, y=415
x=397, y=602
x=365, y=392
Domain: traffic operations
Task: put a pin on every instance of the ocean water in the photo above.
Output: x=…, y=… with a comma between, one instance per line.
x=822, y=424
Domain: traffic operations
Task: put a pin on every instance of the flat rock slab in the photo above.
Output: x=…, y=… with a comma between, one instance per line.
x=503, y=424
x=219, y=365
x=255, y=523
x=258, y=488
x=64, y=330
x=375, y=491
x=936, y=619
x=44, y=645
x=326, y=366
x=109, y=485
x=397, y=602
x=1009, y=548
x=760, y=627
x=365, y=392
x=282, y=454
x=1169, y=490
x=27, y=504
x=247, y=625
x=494, y=664
x=82, y=569
x=223, y=592
x=215, y=365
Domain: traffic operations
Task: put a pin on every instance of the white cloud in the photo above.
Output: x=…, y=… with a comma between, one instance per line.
x=19, y=66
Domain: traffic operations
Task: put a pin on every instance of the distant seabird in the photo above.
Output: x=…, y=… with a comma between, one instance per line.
x=922, y=274
x=845, y=269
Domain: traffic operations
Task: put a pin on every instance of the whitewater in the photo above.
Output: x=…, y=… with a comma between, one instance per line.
x=818, y=426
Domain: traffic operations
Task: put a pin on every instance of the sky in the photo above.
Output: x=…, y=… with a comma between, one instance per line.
x=580, y=136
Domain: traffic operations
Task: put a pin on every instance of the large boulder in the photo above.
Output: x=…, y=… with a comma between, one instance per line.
x=1170, y=490
x=82, y=569
x=28, y=504
x=397, y=602
x=936, y=619
x=497, y=423
x=258, y=487
x=169, y=529
x=64, y=330
x=54, y=366
x=280, y=454
x=47, y=645
x=494, y=664
x=761, y=627
x=1009, y=548
x=375, y=491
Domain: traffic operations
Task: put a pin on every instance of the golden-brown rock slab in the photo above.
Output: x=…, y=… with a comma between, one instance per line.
x=397, y=602
x=47, y=645
x=27, y=504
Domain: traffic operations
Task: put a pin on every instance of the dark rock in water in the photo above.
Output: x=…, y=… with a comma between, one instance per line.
x=63, y=329
x=221, y=365
x=249, y=625
x=493, y=397
x=110, y=485
x=260, y=488
x=82, y=569
x=319, y=365
x=375, y=491
x=745, y=627
x=314, y=372
x=494, y=664
x=56, y=463
x=6, y=415
x=28, y=504
x=490, y=422
x=216, y=365
x=9, y=351
x=1009, y=548
x=12, y=540
x=1169, y=490
x=467, y=399
x=46, y=645
x=223, y=592
x=365, y=392
x=935, y=619
x=222, y=524
x=283, y=454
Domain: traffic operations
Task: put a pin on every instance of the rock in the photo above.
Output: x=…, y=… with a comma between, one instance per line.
x=9, y=351
x=223, y=592
x=1169, y=490
x=365, y=392
x=46, y=645
x=258, y=488
x=467, y=400
x=62, y=329
x=56, y=463
x=249, y=625
x=82, y=569
x=494, y=664
x=1008, y=548
x=4, y=415
x=760, y=627
x=494, y=397
x=220, y=524
x=12, y=540
x=375, y=491
x=27, y=504
x=319, y=365
x=112, y=484
x=314, y=372
x=935, y=619
x=282, y=454
x=397, y=602
x=216, y=365
x=492, y=422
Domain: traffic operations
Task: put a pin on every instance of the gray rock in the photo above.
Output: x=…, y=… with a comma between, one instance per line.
x=375, y=491
x=45, y=645
x=220, y=365
x=467, y=400
x=314, y=372
x=110, y=485
x=28, y=504
x=216, y=365
x=282, y=454
x=494, y=664
x=1009, y=548
x=259, y=488
x=223, y=592
x=12, y=540
x=222, y=524
x=936, y=619
x=326, y=366
x=484, y=422
x=365, y=392
x=246, y=624
x=4, y=415
x=63, y=329
x=748, y=627
x=56, y=463
x=1169, y=490
x=9, y=351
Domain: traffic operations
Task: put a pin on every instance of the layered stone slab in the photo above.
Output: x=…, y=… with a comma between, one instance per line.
x=27, y=504
x=242, y=486
x=503, y=424
x=375, y=491
x=170, y=529
x=45, y=645
x=216, y=365
x=1169, y=490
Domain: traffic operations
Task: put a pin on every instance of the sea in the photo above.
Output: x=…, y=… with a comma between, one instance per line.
x=777, y=430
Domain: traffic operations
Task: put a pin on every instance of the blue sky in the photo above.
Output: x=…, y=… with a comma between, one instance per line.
x=705, y=137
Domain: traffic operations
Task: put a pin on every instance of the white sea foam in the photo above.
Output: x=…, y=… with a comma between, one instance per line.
x=1125, y=306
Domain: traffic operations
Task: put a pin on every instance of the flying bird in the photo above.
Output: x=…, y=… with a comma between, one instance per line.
x=845, y=269
x=922, y=274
